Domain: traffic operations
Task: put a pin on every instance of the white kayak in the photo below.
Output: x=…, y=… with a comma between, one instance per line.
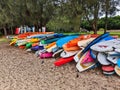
x=78, y=56
x=84, y=43
x=107, y=46
x=117, y=70
x=50, y=49
x=66, y=54
x=82, y=67
x=102, y=58
x=57, y=53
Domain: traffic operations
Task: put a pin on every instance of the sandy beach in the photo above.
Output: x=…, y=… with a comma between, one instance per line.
x=20, y=70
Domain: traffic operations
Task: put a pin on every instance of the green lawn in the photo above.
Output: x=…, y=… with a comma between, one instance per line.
x=111, y=32
x=3, y=39
x=116, y=32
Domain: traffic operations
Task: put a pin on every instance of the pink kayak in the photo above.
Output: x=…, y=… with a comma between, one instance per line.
x=87, y=58
x=46, y=55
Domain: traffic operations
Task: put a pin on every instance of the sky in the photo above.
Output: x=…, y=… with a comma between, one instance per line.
x=118, y=13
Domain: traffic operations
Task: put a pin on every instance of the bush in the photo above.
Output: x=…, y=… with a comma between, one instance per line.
x=113, y=23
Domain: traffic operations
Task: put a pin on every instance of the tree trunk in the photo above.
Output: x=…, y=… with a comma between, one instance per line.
x=41, y=18
x=95, y=25
x=5, y=31
x=12, y=32
x=37, y=27
x=96, y=9
x=106, y=18
x=106, y=15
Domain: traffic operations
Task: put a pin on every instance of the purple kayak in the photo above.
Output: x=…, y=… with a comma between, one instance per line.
x=36, y=48
x=46, y=55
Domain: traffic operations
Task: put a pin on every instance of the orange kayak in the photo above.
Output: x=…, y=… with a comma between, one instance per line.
x=21, y=47
x=50, y=45
x=74, y=48
x=81, y=37
x=24, y=35
x=35, y=44
x=94, y=35
x=74, y=41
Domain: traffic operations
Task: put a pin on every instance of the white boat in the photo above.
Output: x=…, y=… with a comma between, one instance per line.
x=82, y=67
x=66, y=54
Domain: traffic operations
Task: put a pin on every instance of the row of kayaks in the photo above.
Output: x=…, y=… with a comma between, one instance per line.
x=88, y=51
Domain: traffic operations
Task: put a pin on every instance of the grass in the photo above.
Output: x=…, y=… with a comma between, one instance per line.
x=112, y=33
x=3, y=39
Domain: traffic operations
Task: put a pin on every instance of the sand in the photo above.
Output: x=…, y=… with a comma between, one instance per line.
x=20, y=70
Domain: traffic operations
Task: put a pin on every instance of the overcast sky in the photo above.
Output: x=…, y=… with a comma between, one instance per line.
x=118, y=13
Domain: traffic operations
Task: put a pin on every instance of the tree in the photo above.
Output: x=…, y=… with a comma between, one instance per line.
x=70, y=14
x=25, y=12
x=109, y=8
x=91, y=11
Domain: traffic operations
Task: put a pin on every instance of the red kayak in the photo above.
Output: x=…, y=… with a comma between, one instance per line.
x=108, y=68
x=62, y=61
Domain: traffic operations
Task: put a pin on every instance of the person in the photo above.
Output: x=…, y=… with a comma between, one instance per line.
x=21, y=30
x=33, y=29
x=28, y=29
x=17, y=30
x=24, y=29
x=43, y=29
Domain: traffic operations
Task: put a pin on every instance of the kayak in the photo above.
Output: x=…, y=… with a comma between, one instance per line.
x=21, y=47
x=95, y=41
x=34, y=40
x=62, y=61
x=36, y=48
x=50, y=45
x=108, y=68
x=46, y=55
x=74, y=42
x=74, y=48
x=29, y=45
x=117, y=70
x=104, y=46
x=50, y=49
x=35, y=44
x=85, y=62
x=57, y=53
x=64, y=40
x=66, y=54
x=102, y=58
x=78, y=55
x=49, y=41
x=56, y=35
x=84, y=43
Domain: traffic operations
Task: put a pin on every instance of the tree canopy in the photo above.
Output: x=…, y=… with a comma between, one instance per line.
x=62, y=15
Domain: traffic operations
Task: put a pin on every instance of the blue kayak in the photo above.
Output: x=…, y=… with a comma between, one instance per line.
x=56, y=35
x=64, y=40
x=101, y=37
x=40, y=35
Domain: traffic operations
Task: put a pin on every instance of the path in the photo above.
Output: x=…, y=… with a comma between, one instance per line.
x=20, y=70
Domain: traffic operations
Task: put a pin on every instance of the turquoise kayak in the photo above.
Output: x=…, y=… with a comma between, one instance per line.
x=49, y=41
